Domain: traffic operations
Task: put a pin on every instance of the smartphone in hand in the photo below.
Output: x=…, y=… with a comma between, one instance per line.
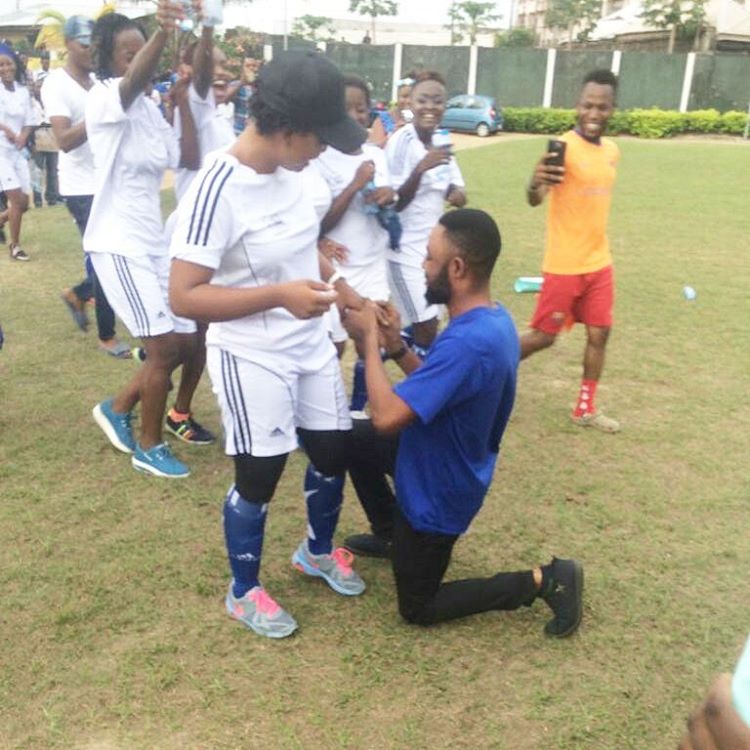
x=557, y=148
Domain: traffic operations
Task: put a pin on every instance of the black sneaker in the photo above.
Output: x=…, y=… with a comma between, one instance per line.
x=563, y=592
x=190, y=431
x=369, y=545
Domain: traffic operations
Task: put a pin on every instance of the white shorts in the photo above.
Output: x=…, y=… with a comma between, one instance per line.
x=14, y=171
x=263, y=405
x=370, y=281
x=408, y=287
x=137, y=289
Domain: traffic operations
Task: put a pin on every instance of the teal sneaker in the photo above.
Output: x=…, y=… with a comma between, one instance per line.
x=116, y=426
x=335, y=569
x=159, y=461
x=258, y=611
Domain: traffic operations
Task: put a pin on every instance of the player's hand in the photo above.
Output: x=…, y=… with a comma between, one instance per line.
x=389, y=322
x=360, y=324
x=456, y=196
x=333, y=250
x=348, y=298
x=383, y=196
x=307, y=298
x=19, y=141
x=178, y=93
x=169, y=14
x=547, y=174
x=365, y=172
x=434, y=157
x=714, y=724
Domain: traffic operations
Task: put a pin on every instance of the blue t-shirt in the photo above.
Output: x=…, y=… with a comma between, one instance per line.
x=463, y=396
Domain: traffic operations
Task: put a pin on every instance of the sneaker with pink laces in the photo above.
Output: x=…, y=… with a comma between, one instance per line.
x=261, y=613
x=335, y=569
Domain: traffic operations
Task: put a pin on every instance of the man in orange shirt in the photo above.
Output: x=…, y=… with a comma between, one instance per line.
x=577, y=267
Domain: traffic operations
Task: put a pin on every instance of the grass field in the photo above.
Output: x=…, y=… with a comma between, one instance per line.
x=113, y=633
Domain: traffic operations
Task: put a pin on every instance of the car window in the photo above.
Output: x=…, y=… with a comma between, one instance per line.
x=475, y=103
x=455, y=103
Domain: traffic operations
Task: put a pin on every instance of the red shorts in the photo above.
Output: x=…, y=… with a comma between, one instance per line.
x=580, y=298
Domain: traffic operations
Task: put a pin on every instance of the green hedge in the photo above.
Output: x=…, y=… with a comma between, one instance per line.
x=644, y=123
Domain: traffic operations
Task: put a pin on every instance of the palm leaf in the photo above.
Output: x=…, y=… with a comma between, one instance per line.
x=104, y=10
x=50, y=36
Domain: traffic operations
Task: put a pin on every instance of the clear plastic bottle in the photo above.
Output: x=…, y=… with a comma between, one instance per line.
x=370, y=208
x=441, y=138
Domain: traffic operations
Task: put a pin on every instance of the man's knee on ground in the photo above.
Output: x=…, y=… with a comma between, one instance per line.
x=417, y=612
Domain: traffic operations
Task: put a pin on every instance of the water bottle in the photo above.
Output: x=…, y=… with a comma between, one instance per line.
x=213, y=12
x=212, y=15
x=188, y=23
x=370, y=208
x=441, y=139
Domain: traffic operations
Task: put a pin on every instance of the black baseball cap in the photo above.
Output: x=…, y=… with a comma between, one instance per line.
x=309, y=89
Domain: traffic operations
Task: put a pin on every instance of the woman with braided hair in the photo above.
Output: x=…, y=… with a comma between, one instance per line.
x=133, y=146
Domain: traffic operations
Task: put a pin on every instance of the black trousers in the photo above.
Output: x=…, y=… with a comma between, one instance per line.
x=420, y=559
x=372, y=461
x=80, y=208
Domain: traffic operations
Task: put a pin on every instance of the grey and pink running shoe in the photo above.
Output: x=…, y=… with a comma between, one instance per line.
x=261, y=613
x=335, y=569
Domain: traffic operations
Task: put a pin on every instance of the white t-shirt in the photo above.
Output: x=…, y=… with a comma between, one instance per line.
x=16, y=112
x=254, y=230
x=132, y=149
x=213, y=129
x=316, y=189
x=358, y=231
x=404, y=151
x=63, y=96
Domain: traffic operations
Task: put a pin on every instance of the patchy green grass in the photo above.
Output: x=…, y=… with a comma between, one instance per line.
x=112, y=626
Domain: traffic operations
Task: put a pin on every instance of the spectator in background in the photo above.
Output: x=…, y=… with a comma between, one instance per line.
x=16, y=124
x=400, y=114
x=41, y=74
x=44, y=150
x=426, y=176
x=239, y=92
x=133, y=146
x=64, y=96
x=23, y=61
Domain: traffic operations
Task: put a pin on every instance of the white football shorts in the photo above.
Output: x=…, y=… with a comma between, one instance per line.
x=138, y=291
x=408, y=286
x=14, y=171
x=262, y=405
x=370, y=281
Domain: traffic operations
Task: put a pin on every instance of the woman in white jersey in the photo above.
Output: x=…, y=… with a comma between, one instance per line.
x=426, y=176
x=132, y=146
x=359, y=183
x=16, y=123
x=244, y=258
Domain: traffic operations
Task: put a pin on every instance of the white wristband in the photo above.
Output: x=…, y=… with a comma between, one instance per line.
x=335, y=276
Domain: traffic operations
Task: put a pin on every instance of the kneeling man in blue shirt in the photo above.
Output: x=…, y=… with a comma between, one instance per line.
x=451, y=411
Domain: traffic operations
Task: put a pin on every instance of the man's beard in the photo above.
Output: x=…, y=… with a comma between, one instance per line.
x=439, y=291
